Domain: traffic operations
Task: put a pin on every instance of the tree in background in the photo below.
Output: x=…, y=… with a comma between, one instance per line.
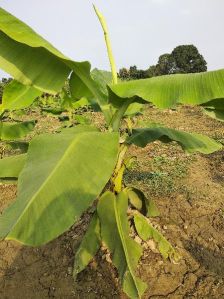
x=124, y=74
x=183, y=59
x=188, y=60
x=132, y=73
x=166, y=65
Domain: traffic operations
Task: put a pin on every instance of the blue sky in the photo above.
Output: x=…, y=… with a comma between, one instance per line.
x=140, y=30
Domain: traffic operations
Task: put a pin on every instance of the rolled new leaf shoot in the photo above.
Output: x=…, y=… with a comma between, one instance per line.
x=112, y=211
x=89, y=246
x=146, y=231
x=108, y=44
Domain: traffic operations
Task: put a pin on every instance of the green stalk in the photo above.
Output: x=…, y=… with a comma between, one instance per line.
x=117, y=177
x=108, y=44
x=122, y=153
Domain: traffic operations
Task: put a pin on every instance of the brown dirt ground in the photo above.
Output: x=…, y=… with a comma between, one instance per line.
x=189, y=193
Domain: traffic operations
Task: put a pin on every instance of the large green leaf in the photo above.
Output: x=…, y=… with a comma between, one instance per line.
x=214, y=113
x=89, y=246
x=119, y=114
x=78, y=89
x=191, y=142
x=10, y=167
x=134, y=109
x=18, y=96
x=125, y=251
x=100, y=79
x=22, y=33
x=166, y=91
x=215, y=109
x=11, y=131
x=215, y=104
x=34, y=66
x=83, y=73
x=31, y=60
x=63, y=175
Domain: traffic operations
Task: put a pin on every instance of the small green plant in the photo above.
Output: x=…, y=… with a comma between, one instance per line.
x=16, y=96
x=63, y=174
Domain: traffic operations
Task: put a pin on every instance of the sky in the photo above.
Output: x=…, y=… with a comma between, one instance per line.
x=140, y=30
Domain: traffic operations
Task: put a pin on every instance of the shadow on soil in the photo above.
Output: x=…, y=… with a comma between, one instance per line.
x=211, y=260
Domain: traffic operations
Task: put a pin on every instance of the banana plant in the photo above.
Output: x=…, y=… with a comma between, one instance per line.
x=64, y=174
x=16, y=96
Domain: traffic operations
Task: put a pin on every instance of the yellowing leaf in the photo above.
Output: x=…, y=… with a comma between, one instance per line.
x=146, y=231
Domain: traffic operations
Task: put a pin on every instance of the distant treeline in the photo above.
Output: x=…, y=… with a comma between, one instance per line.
x=183, y=59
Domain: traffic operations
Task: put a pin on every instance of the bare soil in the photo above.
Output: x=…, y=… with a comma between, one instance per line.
x=189, y=191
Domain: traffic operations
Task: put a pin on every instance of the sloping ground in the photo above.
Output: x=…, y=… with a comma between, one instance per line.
x=189, y=191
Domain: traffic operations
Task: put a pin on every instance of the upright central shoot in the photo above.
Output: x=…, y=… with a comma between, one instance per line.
x=108, y=44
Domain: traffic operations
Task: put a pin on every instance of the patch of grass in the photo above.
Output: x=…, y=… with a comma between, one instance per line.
x=160, y=175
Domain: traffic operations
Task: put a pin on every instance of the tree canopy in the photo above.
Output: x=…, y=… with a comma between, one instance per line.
x=182, y=60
